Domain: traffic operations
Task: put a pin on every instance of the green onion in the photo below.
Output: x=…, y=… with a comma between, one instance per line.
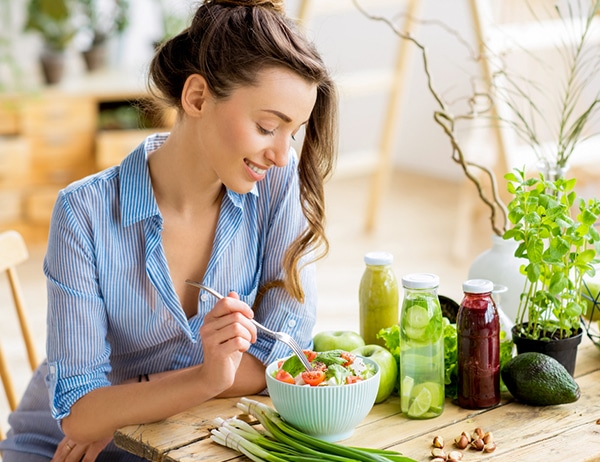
x=278, y=441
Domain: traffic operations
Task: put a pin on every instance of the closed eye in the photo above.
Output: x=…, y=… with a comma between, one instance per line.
x=264, y=131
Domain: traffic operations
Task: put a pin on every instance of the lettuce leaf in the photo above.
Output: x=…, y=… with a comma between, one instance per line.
x=391, y=337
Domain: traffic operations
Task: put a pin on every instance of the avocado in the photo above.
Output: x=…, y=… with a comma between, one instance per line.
x=539, y=380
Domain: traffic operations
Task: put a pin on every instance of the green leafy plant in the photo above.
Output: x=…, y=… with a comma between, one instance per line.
x=555, y=231
x=391, y=337
x=105, y=18
x=53, y=19
x=527, y=101
x=552, y=121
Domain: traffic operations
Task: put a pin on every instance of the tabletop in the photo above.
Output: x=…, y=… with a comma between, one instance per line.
x=568, y=432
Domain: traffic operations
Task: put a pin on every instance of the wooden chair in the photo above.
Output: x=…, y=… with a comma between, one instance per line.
x=13, y=252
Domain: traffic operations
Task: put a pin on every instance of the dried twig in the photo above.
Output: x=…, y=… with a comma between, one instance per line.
x=445, y=119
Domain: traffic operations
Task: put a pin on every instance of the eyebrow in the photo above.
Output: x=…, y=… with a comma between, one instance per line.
x=281, y=115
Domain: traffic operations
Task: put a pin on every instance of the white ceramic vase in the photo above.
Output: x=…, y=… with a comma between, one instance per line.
x=499, y=265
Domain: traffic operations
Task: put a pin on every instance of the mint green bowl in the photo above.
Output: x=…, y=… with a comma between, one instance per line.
x=328, y=413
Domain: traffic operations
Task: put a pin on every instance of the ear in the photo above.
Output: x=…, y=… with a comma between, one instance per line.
x=195, y=92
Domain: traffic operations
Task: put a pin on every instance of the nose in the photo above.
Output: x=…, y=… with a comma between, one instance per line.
x=278, y=152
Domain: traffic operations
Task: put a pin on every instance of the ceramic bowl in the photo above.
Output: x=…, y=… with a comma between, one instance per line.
x=330, y=413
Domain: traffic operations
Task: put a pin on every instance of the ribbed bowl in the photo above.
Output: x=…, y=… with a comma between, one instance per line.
x=328, y=413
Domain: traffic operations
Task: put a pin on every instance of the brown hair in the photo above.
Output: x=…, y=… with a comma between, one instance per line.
x=229, y=42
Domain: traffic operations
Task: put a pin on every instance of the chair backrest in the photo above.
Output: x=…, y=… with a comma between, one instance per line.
x=13, y=252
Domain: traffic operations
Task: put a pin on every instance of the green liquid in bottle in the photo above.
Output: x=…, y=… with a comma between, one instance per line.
x=422, y=393
x=378, y=297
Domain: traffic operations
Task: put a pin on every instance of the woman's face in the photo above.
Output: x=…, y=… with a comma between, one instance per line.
x=249, y=132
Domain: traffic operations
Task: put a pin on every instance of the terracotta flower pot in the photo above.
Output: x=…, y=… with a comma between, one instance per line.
x=563, y=350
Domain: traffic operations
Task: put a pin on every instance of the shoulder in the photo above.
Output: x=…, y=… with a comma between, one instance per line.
x=97, y=187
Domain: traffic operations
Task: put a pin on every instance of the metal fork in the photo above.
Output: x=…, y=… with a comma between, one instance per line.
x=281, y=336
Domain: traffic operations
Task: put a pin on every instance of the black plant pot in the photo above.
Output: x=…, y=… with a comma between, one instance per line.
x=95, y=57
x=564, y=350
x=53, y=66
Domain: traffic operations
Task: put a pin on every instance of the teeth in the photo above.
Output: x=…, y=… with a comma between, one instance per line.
x=255, y=169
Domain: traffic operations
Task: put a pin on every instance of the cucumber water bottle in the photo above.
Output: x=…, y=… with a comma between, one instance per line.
x=421, y=348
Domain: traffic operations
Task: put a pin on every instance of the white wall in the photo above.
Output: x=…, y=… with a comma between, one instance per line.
x=348, y=42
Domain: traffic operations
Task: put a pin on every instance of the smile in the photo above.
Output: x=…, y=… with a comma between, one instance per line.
x=255, y=169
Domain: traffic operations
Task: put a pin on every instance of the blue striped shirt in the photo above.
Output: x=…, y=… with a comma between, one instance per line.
x=113, y=312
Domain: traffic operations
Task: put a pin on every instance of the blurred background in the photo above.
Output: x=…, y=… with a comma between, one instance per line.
x=396, y=187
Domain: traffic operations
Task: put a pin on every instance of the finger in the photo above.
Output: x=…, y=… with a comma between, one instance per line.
x=76, y=453
x=222, y=317
x=233, y=294
x=68, y=451
x=232, y=304
x=95, y=449
x=227, y=328
x=63, y=449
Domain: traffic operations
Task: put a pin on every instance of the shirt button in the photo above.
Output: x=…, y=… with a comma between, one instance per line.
x=291, y=323
x=204, y=297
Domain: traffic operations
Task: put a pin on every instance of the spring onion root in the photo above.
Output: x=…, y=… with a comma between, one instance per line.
x=278, y=441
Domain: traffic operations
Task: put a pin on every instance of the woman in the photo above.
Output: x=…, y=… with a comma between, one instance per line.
x=222, y=199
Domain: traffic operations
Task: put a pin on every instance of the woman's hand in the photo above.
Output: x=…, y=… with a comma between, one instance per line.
x=69, y=451
x=226, y=334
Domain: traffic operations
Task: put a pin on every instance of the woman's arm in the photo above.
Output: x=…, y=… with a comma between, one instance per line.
x=227, y=371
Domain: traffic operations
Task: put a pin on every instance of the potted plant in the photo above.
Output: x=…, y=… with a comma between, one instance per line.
x=52, y=19
x=525, y=112
x=102, y=20
x=173, y=21
x=556, y=235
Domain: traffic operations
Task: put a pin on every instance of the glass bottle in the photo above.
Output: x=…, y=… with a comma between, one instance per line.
x=422, y=392
x=478, y=331
x=378, y=296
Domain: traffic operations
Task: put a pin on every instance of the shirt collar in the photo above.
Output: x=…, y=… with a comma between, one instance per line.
x=137, y=196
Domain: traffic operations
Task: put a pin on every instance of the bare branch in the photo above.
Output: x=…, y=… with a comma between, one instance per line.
x=445, y=119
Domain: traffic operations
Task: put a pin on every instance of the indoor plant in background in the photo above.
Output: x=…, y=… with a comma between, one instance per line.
x=102, y=19
x=552, y=122
x=53, y=20
x=555, y=232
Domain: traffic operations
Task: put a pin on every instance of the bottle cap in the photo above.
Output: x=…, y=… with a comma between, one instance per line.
x=379, y=258
x=478, y=286
x=420, y=281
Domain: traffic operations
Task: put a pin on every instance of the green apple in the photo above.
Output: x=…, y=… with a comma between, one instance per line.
x=594, y=287
x=337, y=340
x=387, y=365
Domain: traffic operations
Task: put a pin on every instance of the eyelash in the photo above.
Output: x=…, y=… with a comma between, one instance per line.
x=265, y=131
x=270, y=133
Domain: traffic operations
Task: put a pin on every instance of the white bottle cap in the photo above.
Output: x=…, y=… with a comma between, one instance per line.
x=420, y=281
x=478, y=286
x=379, y=258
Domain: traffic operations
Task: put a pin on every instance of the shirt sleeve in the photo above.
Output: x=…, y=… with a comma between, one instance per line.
x=77, y=349
x=278, y=310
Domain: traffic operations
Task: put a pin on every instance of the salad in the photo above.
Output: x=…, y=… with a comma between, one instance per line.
x=330, y=368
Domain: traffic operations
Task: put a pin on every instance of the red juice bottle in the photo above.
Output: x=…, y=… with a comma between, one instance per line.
x=478, y=329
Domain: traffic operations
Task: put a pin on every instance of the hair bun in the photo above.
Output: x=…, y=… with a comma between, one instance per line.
x=276, y=5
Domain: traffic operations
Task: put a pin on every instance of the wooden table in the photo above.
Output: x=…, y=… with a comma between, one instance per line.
x=565, y=433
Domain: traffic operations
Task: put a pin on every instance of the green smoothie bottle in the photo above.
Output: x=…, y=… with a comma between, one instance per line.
x=378, y=296
x=421, y=348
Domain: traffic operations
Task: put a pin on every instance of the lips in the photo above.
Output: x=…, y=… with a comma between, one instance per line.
x=256, y=169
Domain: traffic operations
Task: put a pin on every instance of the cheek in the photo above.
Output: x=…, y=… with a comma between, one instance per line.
x=234, y=137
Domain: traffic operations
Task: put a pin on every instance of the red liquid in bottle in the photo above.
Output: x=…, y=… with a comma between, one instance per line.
x=478, y=328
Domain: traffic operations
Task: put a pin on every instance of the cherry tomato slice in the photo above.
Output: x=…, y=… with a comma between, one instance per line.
x=349, y=357
x=313, y=378
x=310, y=355
x=284, y=376
x=353, y=379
